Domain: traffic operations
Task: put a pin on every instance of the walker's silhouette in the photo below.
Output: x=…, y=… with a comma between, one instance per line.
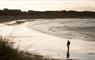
x=68, y=44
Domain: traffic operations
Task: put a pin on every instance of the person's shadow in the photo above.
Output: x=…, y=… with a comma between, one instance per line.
x=67, y=54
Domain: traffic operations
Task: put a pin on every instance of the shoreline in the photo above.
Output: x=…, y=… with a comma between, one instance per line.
x=50, y=45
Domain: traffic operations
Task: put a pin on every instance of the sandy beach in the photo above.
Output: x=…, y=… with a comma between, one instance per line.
x=35, y=37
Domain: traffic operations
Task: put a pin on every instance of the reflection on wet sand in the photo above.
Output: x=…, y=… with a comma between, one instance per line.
x=68, y=55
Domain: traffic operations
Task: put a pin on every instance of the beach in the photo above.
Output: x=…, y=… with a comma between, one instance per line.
x=49, y=37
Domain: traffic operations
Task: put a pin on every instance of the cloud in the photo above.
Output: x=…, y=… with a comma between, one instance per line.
x=85, y=8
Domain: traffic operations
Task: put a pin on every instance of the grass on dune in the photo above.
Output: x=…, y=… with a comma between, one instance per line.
x=7, y=52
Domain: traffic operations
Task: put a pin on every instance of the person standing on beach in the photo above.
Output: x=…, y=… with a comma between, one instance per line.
x=68, y=44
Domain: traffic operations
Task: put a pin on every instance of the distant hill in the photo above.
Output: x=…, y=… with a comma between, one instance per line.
x=11, y=14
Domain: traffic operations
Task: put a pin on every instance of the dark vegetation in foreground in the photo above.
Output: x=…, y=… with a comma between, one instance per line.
x=14, y=14
x=7, y=52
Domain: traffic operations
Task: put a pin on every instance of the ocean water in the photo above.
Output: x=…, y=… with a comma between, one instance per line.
x=68, y=28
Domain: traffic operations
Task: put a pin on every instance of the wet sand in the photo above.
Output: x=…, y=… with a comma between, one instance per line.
x=31, y=40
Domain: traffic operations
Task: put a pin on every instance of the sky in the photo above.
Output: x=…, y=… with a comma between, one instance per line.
x=45, y=5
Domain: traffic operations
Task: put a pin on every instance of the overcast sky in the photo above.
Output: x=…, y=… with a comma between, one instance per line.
x=43, y=5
